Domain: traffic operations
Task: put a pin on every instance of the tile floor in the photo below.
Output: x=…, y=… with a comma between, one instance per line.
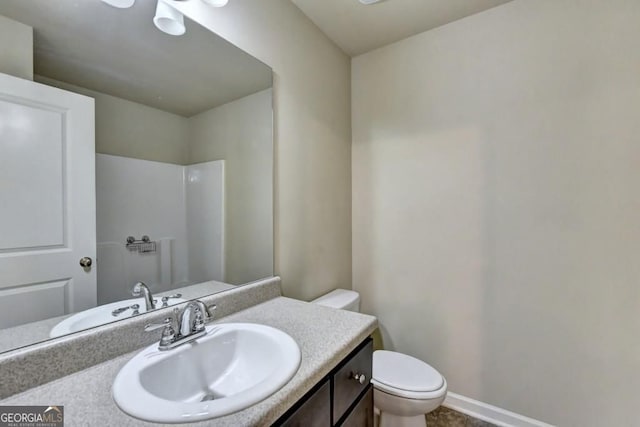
x=445, y=417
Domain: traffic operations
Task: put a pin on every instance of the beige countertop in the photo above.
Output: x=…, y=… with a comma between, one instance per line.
x=325, y=336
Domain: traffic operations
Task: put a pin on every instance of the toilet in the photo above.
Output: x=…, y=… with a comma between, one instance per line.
x=405, y=389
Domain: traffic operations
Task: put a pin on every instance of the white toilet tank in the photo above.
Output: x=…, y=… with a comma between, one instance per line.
x=340, y=298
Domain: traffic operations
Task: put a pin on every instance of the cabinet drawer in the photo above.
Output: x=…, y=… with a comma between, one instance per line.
x=346, y=388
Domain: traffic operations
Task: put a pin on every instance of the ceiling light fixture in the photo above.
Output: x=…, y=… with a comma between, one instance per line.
x=120, y=4
x=216, y=3
x=169, y=20
x=370, y=1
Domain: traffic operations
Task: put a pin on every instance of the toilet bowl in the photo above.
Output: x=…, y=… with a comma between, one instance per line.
x=405, y=389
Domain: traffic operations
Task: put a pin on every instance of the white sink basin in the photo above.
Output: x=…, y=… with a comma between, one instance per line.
x=101, y=315
x=231, y=368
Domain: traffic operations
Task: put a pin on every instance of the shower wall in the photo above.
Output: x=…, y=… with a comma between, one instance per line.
x=204, y=184
x=140, y=197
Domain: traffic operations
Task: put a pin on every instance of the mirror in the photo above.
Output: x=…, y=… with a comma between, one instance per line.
x=182, y=197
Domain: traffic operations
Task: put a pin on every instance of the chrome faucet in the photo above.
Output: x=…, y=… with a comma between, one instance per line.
x=140, y=289
x=187, y=325
x=192, y=318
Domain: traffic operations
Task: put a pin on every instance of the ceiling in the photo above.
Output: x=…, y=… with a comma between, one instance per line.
x=120, y=52
x=357, y=28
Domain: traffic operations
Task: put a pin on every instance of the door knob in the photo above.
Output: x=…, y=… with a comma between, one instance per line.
x=86, y=262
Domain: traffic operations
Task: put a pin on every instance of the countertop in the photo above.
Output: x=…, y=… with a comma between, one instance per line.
x=325, y=337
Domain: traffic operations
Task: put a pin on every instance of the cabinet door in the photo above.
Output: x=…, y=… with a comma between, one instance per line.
x=362, y=414
x=314, y=412
x=351, y=380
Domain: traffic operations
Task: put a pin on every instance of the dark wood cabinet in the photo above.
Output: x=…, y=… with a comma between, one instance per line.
x=315, y=410
x=350, y=380
x=343, y=398
x=362, y=414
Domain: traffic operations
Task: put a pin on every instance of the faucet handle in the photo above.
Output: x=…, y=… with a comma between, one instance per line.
x=165, y=323
x=165, y=299
x=168, y=333
x=206, y=317
x=209, y=311
x=136, y=309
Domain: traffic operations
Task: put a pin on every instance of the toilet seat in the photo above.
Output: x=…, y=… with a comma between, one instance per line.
x=405, y=376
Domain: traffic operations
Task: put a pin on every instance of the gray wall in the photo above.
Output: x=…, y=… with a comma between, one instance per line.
x=241, y=134
x=129, y=129
x=496, y=201
x=312, y=137
x=16, y=48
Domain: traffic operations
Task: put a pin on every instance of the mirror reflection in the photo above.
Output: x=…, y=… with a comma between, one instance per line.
x=135, y=168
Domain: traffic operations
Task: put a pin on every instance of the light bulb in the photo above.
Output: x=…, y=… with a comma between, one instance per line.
x=120, y=4
x=216, y=3
x=169, y=20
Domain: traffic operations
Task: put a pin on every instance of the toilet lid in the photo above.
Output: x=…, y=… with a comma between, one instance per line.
x=404, y=372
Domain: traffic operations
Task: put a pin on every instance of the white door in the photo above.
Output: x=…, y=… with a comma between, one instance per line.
x=47, y=202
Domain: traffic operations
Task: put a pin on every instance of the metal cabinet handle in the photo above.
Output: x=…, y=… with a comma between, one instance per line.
x=361, y=378
x=86, y=262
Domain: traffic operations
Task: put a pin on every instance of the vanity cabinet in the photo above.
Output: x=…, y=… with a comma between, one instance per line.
x=313, y=410
x=342, y=398
x=362, y=414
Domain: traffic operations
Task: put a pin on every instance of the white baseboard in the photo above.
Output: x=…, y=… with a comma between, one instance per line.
x=489, y=413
